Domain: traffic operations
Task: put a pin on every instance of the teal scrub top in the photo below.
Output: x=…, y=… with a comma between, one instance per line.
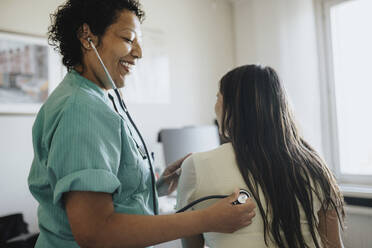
x=81, y=144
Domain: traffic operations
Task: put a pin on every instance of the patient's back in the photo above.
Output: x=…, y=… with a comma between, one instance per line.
x=216, y=172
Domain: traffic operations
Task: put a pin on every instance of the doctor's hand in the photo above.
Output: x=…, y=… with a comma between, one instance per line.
x=225, y=217
x=168, y=181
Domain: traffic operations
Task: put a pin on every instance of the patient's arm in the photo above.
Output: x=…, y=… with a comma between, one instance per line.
x=329, y=229
x=196, y=241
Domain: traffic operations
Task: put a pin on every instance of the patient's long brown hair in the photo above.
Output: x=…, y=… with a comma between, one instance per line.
x=271, y=154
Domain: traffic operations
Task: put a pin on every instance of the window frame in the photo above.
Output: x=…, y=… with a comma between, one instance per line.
x=330, y=140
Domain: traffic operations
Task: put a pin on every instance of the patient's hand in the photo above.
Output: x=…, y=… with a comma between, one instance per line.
x=168, y=181
x=329, y=229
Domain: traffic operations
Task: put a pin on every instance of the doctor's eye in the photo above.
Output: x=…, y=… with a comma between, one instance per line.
x=128, y=40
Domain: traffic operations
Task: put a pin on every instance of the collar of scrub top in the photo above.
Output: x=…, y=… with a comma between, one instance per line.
x=140, y=149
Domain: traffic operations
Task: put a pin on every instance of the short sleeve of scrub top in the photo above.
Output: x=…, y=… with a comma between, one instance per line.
x=84, y=154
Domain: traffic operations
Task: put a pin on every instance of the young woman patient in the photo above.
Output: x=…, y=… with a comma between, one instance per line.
x=299, y=202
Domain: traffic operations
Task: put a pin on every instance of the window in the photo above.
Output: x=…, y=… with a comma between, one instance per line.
x=348, y=99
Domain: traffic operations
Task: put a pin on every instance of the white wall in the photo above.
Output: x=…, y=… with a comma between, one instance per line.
x=15, y=160
x=15, y=130
x=282, y=34
x=200, y=43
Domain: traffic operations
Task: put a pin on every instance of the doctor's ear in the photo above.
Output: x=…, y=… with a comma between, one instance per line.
x=85, y=36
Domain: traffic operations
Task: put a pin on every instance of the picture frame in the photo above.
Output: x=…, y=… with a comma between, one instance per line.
x=29, y=71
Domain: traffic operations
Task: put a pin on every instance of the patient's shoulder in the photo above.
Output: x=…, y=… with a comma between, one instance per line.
x=221, y=153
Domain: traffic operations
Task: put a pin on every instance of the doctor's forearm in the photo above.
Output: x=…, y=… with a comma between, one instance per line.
x=94, y=223
x=122, y=230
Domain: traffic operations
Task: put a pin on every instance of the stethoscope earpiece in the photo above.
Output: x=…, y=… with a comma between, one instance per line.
x=90, y=43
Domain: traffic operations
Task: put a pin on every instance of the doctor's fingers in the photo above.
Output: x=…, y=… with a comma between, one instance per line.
x=174, y=175
x=247, y=210
x=247, y=219
x=243, y=221
x=177, y=164
x=248, y=206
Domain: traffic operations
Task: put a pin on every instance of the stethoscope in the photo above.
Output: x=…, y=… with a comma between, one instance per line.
x=243, y=194
x=242, y=198
x=144, y=154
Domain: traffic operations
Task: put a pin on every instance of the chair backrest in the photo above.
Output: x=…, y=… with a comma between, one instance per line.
x=179, y=142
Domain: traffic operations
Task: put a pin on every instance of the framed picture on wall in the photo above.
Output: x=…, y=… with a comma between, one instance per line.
x=29, y=70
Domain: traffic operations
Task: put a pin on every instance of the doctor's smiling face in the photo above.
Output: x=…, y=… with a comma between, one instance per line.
x=119, y=48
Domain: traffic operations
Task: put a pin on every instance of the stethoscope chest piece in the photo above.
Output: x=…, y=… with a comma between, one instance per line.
x=242, y=198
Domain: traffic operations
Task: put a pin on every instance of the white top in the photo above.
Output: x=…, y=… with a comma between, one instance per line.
x=216, y=173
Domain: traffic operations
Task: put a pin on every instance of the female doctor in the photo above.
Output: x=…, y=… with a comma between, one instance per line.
x=90, y=173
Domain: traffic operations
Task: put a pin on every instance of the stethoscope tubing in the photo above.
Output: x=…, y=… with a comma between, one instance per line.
x=190, y=205
x=124, y=108
x=243, y=196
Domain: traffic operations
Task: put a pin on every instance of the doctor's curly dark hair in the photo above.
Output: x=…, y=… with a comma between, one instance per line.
x=68, y=19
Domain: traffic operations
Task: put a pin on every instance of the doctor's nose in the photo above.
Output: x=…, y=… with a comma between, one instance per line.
x=136, y=50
